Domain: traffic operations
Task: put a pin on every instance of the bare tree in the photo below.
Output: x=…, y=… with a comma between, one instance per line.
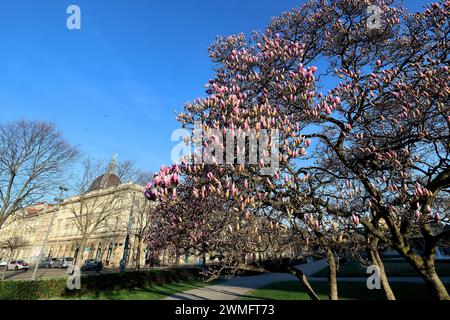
x=33, y=156
x=100, y=196
x=11, y=245
x=141, y=224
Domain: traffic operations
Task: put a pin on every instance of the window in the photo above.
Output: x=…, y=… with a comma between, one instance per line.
x=110, y=250
x=99, y=253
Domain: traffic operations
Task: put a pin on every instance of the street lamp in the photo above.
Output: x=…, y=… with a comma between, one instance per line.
x=126, y=252
x=59, y=200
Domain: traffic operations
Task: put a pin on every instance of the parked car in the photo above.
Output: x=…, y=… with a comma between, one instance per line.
x=92, y=265
x=63, y=262
x=3, y=263
x=47, y=263
x=18, y=265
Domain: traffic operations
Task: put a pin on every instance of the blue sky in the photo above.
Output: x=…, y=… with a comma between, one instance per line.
x=114, y=86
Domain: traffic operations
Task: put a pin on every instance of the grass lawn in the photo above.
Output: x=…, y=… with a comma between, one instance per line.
x=150, y=293
x=395, y=268
x=293, y=290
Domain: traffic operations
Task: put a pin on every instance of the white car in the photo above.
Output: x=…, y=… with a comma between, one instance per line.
x=3, y=263
x=63, y=262
x=18, y=265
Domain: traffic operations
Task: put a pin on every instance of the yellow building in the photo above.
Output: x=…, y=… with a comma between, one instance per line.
x=104, y=213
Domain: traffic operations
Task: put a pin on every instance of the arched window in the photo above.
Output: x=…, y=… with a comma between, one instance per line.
x=130, y=253
x=110, y=250
x=58, y=255
x=91, y=252
x=99, y=252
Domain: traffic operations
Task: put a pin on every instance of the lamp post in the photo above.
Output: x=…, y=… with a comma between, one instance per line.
x=44, y=244
x=123, y=262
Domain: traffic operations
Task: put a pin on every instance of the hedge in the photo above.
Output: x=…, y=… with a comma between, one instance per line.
x=52, y=288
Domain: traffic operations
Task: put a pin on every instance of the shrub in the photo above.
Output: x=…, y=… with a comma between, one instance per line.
x=31, y=290
x=51, y=288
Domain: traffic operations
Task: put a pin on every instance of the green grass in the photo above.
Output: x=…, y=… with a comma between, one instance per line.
x=393, y=269
x=293, y=290
x=149, y=293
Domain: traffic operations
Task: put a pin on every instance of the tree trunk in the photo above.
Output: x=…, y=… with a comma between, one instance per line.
x=435, y=284
x=203, y=258
x=433, y=281
x=426, y=268
x=138, y=255
x=376, y=260
x=4, y=272
x=333, y=295
x=292, y=270
x=79, y=258
x=304, y=280
x=6, y=267
x=177, y=255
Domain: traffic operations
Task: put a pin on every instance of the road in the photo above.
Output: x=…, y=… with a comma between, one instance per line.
x=26, y=275
x=44, y=273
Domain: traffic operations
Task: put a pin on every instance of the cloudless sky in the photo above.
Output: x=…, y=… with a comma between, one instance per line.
x=113, y=86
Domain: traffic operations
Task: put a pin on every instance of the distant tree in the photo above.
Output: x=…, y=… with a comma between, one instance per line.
x=11, y=245
x=99, y=197
x=141, y=212
x=33, y=157
x=141, y=223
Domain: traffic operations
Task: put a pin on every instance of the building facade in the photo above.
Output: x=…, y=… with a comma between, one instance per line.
x=112, y=214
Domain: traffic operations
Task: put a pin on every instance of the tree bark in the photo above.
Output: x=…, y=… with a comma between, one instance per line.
x=435, y=284
x=138, y=255
x=376, y=260
x=6, y=267
x=294, y=271
x=304, y=280
x=332, y=281
x=177, y=255
x=79, y=258
x=426, y=268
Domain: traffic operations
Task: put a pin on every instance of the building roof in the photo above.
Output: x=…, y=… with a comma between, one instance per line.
x=105, y=182
x=38, y=207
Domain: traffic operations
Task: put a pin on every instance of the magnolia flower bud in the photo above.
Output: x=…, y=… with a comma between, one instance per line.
x=418, y=214
x=437, y=217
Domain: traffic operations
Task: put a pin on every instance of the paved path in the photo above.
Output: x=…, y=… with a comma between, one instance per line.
x=239, y=286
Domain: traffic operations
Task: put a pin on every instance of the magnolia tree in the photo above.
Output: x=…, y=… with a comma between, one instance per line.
x=382, y=132
x=206, y=225
x=325, y=96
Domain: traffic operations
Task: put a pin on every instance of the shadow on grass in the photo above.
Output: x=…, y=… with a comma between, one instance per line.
x=145, y=293
x=293, y=290
x=394, y=268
